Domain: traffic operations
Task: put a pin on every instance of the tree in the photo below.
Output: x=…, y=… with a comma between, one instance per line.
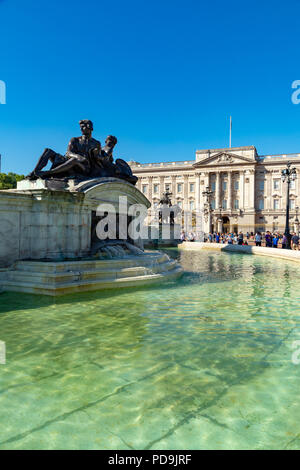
x=9, y=180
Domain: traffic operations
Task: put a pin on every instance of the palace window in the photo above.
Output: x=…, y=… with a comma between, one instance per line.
x=261, y=204
x=292, y=204
x=276, y=204
x=261, y=185
x=213, y=186
x=224, y=204
x=179, y=187
x=192, y=187
x=224, y=185
x=276, y=184
x=236, y=204
x=213, y=204
x=167, y=187
x=192, y=205
x=179, y=203
x=236, y=185
x=293, y=184
x=144, y=188
x=155, y=188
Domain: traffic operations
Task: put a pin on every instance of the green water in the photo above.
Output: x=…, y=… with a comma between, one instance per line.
x=204, y=362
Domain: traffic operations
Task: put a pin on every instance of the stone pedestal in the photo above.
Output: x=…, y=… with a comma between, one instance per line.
x=220, y=225
x=53, y=219
x=205, y=221
x=163, y=235
x=169, y=235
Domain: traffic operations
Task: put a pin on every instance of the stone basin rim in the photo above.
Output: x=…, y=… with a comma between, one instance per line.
x=286, y=255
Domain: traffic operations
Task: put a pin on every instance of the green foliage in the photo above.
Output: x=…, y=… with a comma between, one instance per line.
x=9, y=180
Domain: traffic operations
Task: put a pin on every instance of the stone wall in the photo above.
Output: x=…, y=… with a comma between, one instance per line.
x=42, y=224
x=55, y=224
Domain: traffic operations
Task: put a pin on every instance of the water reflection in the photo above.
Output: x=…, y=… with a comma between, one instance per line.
x=203, y=362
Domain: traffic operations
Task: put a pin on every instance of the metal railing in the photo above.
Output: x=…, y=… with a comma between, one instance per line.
x=165, y=164
x=283, y=155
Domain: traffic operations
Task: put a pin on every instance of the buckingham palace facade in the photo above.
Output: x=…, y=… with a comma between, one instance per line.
x=247, y=193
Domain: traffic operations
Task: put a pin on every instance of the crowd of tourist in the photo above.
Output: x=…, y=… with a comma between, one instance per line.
x=268, y=239
x=188, y=237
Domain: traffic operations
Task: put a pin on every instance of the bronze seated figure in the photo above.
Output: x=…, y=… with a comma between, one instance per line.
x=84, y=159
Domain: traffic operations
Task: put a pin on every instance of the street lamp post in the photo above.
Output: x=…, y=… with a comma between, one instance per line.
x=287, y=175
x=207, y=206
x=220, y=221
x=296, y=228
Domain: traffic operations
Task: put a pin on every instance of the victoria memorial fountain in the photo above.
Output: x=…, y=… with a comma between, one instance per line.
x=49, y=237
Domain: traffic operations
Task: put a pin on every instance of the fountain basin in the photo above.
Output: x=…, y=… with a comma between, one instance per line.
x=67, y=277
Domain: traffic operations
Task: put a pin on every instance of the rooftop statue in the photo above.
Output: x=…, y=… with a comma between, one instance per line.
x=167, y=211
x=84, y=159
x=166, y=200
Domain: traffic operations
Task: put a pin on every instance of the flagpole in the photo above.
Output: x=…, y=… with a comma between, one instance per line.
x=230, y=132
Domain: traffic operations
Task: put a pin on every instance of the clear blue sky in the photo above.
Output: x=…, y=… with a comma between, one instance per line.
x=162, y=75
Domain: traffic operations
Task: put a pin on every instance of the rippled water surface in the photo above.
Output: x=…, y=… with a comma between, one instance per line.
x=201, y=363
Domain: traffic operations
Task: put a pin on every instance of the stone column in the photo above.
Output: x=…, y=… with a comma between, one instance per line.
x=218, y=183
x=161, y=186
x=198, y=195
x=297, y=202
x=252, y=189
x=149, y=196
x=150, y=184
x=185, y=192
x=220, y=225
x=173, y=189
x=242, y=190
x=269, y=190
x=229, y=202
